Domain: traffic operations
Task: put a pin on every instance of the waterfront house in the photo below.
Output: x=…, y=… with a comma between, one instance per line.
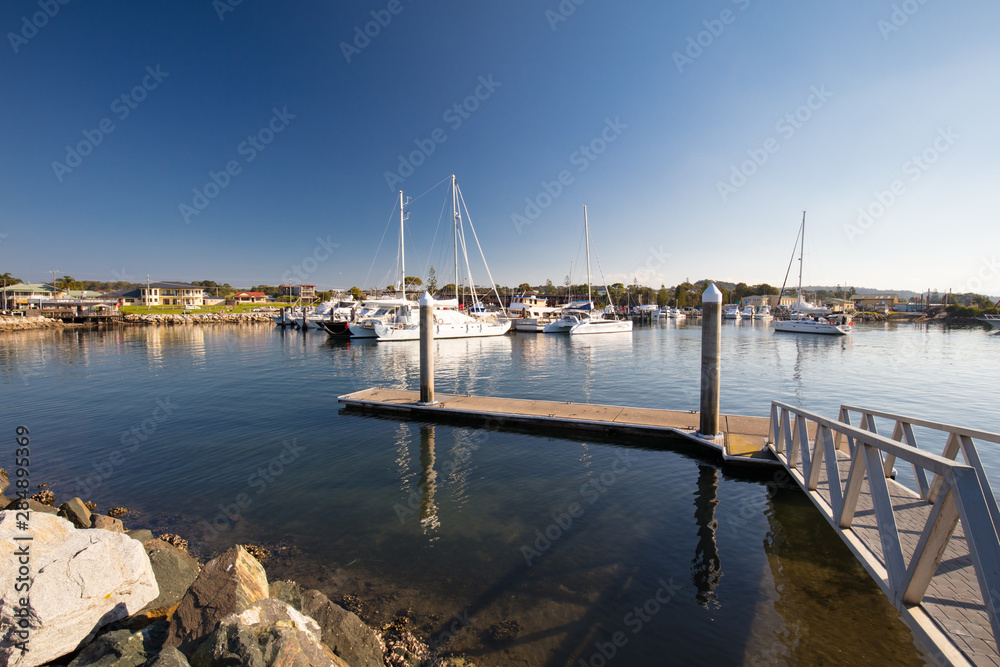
x=756, y=301
x=171, y=293
x=127, y=297
x=249, y=297
x=304, y=292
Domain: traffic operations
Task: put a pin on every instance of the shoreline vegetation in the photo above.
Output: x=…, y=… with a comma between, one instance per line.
x=193, y=612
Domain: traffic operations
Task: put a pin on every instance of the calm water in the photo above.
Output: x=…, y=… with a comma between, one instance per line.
x=227, y=435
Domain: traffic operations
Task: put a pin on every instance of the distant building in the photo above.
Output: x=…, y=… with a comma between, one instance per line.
x=128, y=297
x=768, y=299
x=170, y=293
x=249, y=297
x=22, y=293
x=875, y=303
x=304, y=292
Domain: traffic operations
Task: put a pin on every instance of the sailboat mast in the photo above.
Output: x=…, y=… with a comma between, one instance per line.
x=454, y=211
x=402, y=245
x=802, y=250
x=586, y=232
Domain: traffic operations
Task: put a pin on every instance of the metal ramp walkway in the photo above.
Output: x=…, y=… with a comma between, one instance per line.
x=933, y=548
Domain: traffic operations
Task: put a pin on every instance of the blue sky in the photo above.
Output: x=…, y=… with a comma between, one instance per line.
x=695, y=133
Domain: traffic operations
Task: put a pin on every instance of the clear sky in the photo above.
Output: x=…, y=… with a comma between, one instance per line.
x=252, y=142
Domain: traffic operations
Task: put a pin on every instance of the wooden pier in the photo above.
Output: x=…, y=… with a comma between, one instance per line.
x=743, y=439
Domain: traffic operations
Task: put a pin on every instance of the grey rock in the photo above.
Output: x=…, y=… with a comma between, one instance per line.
x=287, y=591
x=76, y=512
x=36, y=506
x=175, y=571
x=4, y=482
x=227, y=585
x=269, y=632
x=107, y=523
x=345, y=633
x=142, y=535
x=122, y=648
x=169, y=657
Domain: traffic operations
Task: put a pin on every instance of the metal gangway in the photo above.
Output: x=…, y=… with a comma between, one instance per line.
x=933, y=549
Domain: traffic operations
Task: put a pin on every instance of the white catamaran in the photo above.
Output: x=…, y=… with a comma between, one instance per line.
x=588, y=321
x=450, y=320
x=806, y=317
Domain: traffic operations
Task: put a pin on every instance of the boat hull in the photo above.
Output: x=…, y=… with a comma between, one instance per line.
x=391, y=332
x=812, y=327
x=601, y=326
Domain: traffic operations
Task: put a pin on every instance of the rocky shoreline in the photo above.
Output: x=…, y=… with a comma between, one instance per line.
x=8, y=323
x=104, y=595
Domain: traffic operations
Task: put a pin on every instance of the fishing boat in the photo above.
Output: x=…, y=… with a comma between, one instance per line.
x=589, y=321
x=748, y=313
x=806, y=317
x=992, y=320
x=731, y=312
x=449, y=318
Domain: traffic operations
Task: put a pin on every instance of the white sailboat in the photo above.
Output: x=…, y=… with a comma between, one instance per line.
x=806, y=317
x=588, y=321
x=450, y=320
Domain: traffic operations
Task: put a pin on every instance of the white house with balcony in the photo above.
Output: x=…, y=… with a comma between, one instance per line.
x=171, y=293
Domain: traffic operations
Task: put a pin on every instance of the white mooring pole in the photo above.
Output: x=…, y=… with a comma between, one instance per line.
x=427, y=349
x=711, y=356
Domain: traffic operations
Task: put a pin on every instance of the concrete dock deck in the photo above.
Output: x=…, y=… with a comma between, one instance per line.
x=743, y=439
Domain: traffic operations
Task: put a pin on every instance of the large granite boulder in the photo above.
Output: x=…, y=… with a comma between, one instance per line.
x=227, y=585
x=269, y=633
x=345, y=633
x=81, y=580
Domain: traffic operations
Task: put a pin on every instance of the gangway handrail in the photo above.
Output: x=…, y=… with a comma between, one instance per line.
x=960, y=496
x=960, y=439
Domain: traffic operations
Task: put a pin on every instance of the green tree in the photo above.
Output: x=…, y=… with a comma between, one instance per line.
x=356, y=293
x=663, y=296
x=448, y=290
x=8, y=279
x=550, y=288
x=432, y=283
x=524, y=287
x=413, y=281
x=325, y=295
x=68, y=283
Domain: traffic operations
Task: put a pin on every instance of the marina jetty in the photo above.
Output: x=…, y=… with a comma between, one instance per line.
x=931, y=546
